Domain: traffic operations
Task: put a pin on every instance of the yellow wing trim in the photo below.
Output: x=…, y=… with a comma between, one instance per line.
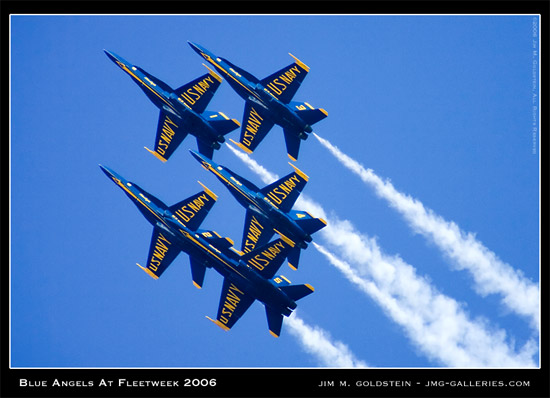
x=208, y=191
x=156, y=154
x=221, y=325
x=300, y=172
x=241, y=146
x=216, y=76
x=304, y=66
x=148, y=271
x=273, y=334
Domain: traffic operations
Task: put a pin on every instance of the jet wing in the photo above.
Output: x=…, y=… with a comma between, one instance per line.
x=267, y=260
x=198, y=93
x=233, y=304
x=284, y=192
x=162, y=252
x=193, y=210
x=169, y=137
x=257, y=231
x=284, y=83
x=255, y=127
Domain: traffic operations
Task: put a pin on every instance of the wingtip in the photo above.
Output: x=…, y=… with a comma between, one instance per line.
x=197, y=285
x=158, y=156
x=271, y=332
x=241, y=146
x=299, y=172
x=216, y=76
x=148, y=271
x=304, y=66
x=216, y=322
x=208, y=191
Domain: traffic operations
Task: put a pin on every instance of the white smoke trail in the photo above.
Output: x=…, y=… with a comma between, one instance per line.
x=435, y=323
x=490, y=274
x=318, y=342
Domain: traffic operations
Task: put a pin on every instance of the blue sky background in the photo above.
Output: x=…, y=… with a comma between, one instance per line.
x=441, y=105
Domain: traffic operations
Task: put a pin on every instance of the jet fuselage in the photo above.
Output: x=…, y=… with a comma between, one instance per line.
x=163, y=96
x=251, y=89
x=253, y=199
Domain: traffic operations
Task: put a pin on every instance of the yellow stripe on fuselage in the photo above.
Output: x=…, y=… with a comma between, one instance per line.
x=209, y=59
x=146, y=85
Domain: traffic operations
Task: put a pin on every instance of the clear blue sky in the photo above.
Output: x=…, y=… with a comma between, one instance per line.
x=441, y=105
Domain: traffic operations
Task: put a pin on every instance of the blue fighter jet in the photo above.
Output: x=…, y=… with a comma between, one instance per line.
x=268, y=102
x=182, y=111
x=247, y=277
x=268, y=210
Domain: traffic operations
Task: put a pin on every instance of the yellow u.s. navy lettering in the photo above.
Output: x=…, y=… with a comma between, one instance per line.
x=230, y=304
x=193, y=94
x=263, y=259
x=253, y=235
x=161, y=247
x=189, y=210
x=278, y=194
x=252, y=125
x=277, y=87
x=166, y=135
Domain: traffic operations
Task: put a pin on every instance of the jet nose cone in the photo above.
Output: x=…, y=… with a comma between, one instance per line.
x=111, y=55
x=201, y=158
x=110, y=173
x=196, y=47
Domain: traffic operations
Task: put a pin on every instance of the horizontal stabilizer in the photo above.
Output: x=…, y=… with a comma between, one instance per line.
x=296, y=292
x=307, y=222
x=217, y=240
x=274, y=321
x=307, y=113
x=220, y=122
